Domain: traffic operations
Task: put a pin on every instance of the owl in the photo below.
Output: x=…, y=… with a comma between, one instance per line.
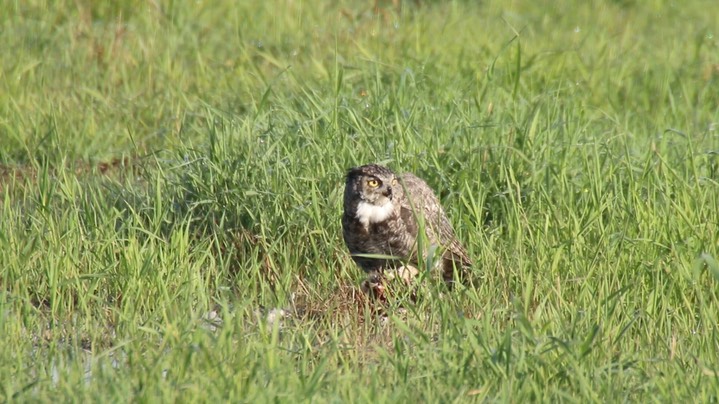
x=383, y=215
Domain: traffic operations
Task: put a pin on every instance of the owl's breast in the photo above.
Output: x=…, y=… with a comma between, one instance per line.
x=388, y=237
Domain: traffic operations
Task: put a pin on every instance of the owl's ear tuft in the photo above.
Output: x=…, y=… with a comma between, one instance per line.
x=353, y=172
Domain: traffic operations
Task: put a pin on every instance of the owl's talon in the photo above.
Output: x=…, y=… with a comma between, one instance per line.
x=373, y=287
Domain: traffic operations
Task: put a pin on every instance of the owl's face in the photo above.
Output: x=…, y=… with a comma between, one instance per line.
x=370, y=191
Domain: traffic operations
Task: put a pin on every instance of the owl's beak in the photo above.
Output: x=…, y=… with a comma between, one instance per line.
x=387, y=192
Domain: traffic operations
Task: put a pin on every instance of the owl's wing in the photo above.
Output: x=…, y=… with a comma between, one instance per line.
x=420, y=199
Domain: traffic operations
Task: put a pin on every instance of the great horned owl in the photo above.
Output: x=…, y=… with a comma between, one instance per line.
x=383, y=214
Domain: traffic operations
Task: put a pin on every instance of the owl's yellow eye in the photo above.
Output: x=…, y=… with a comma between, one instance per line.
x=373, y=183
x=394, y=182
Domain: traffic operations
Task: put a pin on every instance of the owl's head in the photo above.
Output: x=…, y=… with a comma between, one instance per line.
x=370, y=193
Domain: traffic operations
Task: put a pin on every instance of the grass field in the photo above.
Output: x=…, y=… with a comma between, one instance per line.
x=172, y=172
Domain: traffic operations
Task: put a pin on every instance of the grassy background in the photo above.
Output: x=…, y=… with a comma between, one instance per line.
x=172, y=174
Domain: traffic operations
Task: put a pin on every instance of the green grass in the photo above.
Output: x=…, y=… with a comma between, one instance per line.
x=172, y=171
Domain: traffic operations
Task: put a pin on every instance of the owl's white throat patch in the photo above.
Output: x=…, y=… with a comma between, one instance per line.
x=368, y=213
